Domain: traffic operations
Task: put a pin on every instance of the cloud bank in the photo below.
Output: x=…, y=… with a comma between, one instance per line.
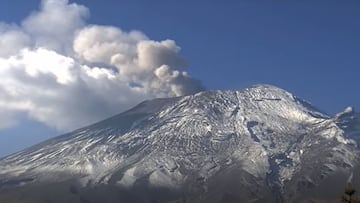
x=65, y=73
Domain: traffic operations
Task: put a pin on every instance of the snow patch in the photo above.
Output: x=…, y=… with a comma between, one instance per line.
x=128, y=178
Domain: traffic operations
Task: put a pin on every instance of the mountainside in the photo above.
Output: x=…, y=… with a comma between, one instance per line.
x=260, y=144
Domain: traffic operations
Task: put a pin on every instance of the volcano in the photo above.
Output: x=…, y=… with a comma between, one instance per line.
x=259, y=144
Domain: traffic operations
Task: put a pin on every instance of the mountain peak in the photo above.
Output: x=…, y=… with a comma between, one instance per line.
x=269, y=89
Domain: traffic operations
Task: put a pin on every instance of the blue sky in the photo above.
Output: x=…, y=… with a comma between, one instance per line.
x=310, y=48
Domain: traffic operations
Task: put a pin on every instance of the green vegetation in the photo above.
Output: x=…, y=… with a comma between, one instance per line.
x=349, y=195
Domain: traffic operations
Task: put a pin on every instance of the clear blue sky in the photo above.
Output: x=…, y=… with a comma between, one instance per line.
x=310, y=48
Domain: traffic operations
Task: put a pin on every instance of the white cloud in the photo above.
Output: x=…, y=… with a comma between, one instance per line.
x=55, y=25
x=66, y=74
x=12, y=39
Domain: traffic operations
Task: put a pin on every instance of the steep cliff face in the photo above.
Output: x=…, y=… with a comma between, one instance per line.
x=260, y=144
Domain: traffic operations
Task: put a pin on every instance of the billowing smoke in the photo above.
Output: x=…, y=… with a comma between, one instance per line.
x=65, y=73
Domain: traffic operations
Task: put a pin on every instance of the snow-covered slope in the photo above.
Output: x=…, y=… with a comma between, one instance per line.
x=349, y=121
x=256, y=144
